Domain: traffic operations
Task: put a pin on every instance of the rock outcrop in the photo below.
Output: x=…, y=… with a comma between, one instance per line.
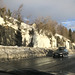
x=30, y=37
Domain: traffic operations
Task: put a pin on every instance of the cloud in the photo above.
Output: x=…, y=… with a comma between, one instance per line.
x=59, y=10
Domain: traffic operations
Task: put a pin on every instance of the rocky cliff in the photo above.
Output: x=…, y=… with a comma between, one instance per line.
x=28, y=36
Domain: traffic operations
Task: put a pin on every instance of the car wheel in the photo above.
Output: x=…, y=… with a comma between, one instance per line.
x=62, y=55
x=66, y=55
x=54, y=56
x=58, y=55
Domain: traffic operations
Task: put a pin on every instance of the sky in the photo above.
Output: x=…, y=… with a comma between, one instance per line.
x=63, y=11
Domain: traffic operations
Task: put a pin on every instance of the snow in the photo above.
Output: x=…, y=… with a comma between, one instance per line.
x=54, y=42
x=1, y=21
x=73, y=44
x=67, y=45
x=25, y=26
x=59, y=35
x=41, y=41
x=13, y=26
x=66, y=42
x=26, y=37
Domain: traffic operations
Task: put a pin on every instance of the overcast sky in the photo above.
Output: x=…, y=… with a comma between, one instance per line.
x=62, y=11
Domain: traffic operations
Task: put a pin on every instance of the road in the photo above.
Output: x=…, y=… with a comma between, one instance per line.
x=58, y=66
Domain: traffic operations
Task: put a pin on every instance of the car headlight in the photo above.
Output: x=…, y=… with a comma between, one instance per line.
x=61, y=53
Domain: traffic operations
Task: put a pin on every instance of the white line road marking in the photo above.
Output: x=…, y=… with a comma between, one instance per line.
x=45, y=63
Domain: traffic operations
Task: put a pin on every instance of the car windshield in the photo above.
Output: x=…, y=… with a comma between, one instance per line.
x=61, y=48
x=65, y=50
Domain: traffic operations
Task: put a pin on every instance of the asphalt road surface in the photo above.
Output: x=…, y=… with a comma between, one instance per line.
x=57, y=66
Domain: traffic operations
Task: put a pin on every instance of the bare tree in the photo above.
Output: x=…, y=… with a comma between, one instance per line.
x=46, y=25
x=62, y=31
x=17, y=12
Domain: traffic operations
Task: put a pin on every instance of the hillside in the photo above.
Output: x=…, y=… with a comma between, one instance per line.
x=27, y=35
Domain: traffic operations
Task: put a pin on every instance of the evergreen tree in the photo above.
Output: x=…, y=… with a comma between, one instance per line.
x=70, y=34
x=73, y=36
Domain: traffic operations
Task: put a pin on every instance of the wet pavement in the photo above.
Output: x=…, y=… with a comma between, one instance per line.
x=57, y=66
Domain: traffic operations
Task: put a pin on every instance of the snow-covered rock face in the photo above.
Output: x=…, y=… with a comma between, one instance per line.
x=1, y=21
x=40, y=40
x=36, y=39
x=59, y=35
x=53, y=42
x=73, y=45
x=26, y=38
x=67, y=45
x=66, y=42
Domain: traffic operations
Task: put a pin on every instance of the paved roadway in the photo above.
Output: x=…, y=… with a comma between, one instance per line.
x=58, y=66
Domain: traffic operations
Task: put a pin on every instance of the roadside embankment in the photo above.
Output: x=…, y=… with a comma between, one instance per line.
x=71, y=52
x=14, y=52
